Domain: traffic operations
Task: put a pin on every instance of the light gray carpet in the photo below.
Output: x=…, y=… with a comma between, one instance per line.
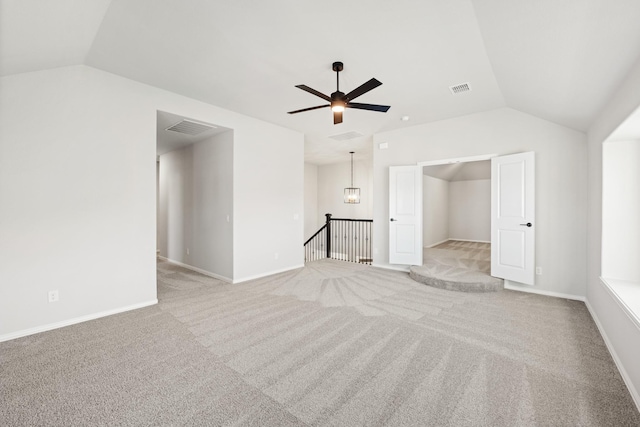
x=335, y=343
x=457, y=265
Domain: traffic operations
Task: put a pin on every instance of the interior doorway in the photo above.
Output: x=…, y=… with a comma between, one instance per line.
x=456, y=202
x=457, y=214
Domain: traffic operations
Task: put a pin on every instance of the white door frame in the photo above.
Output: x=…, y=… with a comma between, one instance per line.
x=458, y=160
x=454, y=160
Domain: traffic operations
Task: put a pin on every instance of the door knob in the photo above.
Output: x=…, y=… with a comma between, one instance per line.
x=392, y=219
x=527, y=224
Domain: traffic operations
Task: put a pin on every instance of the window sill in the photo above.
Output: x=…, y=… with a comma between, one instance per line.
x=627, y=295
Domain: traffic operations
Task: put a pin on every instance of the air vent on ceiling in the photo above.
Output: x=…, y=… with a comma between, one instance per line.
x=347, y=135
x=190, y=128
x=462, y=87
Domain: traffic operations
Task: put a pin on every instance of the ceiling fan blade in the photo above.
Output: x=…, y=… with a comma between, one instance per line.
x=362, y=89
x=315, y=92
x=337, y=117
x=309, y=109
x=371, y=107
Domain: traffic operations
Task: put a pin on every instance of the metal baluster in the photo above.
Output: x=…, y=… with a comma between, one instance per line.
x=359, y=241
x=353, y=242
x=356, y=243
x=338, y=237
x=370, y=254
x=341, y=241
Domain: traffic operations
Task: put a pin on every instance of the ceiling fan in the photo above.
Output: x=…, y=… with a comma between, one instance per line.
x=338, y=101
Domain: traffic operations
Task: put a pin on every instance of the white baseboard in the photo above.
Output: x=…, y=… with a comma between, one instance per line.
x=403, y=268
x=270, y=273
x=543, y=292
x=69, y=322
x=460, y=240
x=469, y=240
x=197, y=270
x=437, y=243
x=228, y=279
x=623, y=372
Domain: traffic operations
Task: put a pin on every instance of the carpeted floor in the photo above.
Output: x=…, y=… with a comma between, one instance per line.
x=333, y=344
x=469, y=255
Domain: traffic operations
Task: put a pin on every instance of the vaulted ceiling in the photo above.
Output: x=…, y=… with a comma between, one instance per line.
x=555, y=59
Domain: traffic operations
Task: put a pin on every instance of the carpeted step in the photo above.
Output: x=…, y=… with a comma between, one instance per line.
x=454, y=278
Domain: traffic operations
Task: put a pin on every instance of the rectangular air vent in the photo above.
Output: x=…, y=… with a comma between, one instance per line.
x=190, y=128
x=346, y=136
x=460, y=88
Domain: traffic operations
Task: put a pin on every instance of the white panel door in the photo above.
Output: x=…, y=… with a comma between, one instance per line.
x=405, y=215
x=513, y=217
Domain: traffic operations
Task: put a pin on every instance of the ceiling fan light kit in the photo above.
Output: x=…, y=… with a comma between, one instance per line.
x=338, y=101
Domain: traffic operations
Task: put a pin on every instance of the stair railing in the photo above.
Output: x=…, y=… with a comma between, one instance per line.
x=343, y=239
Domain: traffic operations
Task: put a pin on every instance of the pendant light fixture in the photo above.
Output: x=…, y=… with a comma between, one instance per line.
x=351, y=194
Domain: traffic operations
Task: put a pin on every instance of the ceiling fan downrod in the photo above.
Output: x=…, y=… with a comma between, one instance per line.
x=337, y=67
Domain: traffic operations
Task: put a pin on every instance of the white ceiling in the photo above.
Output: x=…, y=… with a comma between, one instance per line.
x=558, y=60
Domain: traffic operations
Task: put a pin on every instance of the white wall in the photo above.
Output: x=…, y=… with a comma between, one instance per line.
x=561, y=174
x=196, y=197
x=157, y=203
x=333, y=179
x=310, y=200
x=470, y=210
x=77, y=194
x=268, y=207
x=435, y=210
x=77, y=188
x=621, y=211
x=621, y=333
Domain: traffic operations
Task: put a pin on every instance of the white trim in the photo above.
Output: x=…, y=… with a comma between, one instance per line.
x=270, y=273
x=436, y=244
x=73, y=321
x=460, y=240
x=623, y=373
x=457, y=160
x=197, y=270
x=469, y=240
x=614, y=287
x=403, y=268
x=543, y=292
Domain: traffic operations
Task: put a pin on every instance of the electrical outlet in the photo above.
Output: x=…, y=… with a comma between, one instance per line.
x=187, y=251
x=276, y=255
x=539, y=271
x=53, y=296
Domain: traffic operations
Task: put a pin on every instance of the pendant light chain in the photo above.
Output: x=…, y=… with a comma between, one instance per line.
x=351, y=169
